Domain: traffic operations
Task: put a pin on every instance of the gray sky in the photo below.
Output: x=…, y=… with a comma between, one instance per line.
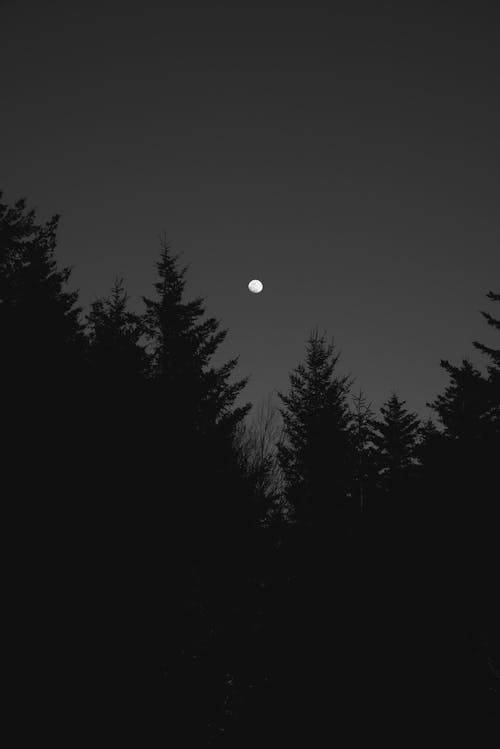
x=348, y=159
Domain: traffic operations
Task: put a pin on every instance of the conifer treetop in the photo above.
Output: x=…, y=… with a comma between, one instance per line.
x=183, y=345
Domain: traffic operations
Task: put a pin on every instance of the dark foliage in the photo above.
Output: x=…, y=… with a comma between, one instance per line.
x=395, y=438
x=315, y=455
x=365, y=464
x=179, y=576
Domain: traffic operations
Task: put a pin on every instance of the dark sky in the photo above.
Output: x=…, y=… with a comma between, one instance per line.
x=347, y=156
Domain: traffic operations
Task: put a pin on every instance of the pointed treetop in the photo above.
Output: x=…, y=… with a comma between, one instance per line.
x=32, y=287
x=465, y=402
x=493, y=354
x=183, y=344
x=396, y=434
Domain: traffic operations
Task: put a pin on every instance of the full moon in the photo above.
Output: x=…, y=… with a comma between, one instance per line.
x=255, y=286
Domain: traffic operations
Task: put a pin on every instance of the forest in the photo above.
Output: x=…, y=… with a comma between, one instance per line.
x=180, y=575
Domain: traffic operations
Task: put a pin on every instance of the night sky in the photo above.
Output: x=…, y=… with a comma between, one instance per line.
x=346, y=156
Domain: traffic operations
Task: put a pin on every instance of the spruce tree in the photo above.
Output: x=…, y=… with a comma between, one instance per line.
x=391, y=556
x=42, y=344
x=395, y=437
x=319, y=610
x=464, y=407
x=314, y=455
x=52, y=497
x=194, y=417
x=468, y=411
x=116, y=355
x=197, y=396
x=200, y=522
x=465, y=509
x=42, y=336
x=117, y=378
x=429, y=441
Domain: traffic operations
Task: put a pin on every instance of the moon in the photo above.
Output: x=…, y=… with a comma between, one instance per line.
x=255, y=286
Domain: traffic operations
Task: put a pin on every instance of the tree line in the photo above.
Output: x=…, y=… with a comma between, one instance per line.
x=182, y=574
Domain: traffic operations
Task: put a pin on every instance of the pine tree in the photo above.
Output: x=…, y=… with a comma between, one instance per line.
x=468, y=411
x=428, y=482
x=319, y=611
x=51, y=499
x=117, y=378
x=395, y=437
x=464, y=406
x=469, y=408
x=201, y=523
x=465, y=504
x=194, y=417
x=115, y=353
x=39, y=321
x=429, y=439
x=315, y=453
x=464, y=413
x=42, y=347
x=197, y=396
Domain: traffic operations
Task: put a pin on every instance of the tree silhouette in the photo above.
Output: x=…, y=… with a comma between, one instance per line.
x=314, y=455
x=43, y=347
x=118, y=369
x=39, y=320
x=464, y=406
x=182, y=348
x=315, y=623
x=429, y=453
x=44, y=403
x=463, y=542
x=395, y=438
x=114, y=333
x=203, y=517
x=226, y=582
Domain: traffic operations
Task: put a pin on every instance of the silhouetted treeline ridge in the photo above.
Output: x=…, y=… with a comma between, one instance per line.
x=180, y=574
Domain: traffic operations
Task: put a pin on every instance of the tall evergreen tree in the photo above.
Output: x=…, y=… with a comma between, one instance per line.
x=430, y=440
x=42, y=344
x=115, y=353
x=464, y=407
x=51, y=501
x=200, y=521
x=197, y=395
x=320, y=615
x=117, y=378
x=464, y=521
x=39, y=320
x=395, y=437
x=469, y=412
x=315, y=453
x=389, y=560
x=193, y=401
